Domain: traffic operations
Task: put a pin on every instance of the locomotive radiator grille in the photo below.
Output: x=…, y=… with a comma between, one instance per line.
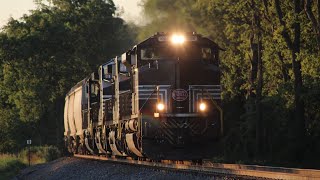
x=125, y=104
x=107, y=107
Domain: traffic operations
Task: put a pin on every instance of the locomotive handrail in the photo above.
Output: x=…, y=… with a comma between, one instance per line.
x=124, y=92
x=220, y=110
x=148, y=98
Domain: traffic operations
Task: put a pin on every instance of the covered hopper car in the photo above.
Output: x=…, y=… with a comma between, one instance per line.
x=159, y=100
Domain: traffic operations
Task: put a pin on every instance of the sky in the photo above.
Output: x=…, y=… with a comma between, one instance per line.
x=16, y=8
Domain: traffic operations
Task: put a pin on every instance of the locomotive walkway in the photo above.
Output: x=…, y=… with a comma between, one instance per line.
x=228, y=170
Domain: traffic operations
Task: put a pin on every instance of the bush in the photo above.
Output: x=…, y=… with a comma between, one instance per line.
x=52, y=153
x=10, y=165
x=40, y=154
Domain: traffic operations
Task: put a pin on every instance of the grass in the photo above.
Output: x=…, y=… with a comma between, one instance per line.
x=10, y=165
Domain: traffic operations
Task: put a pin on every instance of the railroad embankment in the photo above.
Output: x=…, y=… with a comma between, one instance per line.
x=76, y=168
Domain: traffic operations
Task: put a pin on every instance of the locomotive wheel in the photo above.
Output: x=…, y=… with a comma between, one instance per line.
x=74, y=146
x=81, y=149
x=93, y=144
x=71, y=145
x=69, y=148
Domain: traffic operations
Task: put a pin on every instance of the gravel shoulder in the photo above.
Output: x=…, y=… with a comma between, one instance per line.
x=75, y=168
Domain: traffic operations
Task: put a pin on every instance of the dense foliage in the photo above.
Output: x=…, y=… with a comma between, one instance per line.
x=43, y=55
x=270, y=72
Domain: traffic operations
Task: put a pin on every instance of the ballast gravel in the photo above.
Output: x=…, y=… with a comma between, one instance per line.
x=75, y=168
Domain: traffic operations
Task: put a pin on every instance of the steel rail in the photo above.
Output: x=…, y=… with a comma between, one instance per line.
x=221, y=169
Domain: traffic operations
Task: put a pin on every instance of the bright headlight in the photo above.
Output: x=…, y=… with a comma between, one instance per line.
x=160, y=106
x=177, y=39
x=202, y=106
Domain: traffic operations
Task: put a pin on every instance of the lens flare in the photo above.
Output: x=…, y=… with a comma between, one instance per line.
x=202, y=106
x=160, y=106
x=177, y=39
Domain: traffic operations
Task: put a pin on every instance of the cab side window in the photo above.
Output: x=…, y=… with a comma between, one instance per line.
x=94, y=90
x=107, y=72
x=206, y=54
x=210, y=55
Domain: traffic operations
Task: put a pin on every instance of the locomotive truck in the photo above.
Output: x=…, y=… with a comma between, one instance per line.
x=159, y=100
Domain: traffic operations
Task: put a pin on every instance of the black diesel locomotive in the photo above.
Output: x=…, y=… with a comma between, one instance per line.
x=159, y=100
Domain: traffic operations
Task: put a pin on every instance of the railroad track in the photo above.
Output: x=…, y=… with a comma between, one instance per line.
x=232, y=170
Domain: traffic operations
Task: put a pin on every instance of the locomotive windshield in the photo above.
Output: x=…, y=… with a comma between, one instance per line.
x=194, y=53
x=156, y=53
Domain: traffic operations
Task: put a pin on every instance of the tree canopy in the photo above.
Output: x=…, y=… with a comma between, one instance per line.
x=270, y=71
x=42, y=55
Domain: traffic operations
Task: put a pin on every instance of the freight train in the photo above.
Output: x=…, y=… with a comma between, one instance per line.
x=159, y=100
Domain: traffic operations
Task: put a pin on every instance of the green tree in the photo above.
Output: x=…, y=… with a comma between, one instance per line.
x=44, y=54
x=271, y=54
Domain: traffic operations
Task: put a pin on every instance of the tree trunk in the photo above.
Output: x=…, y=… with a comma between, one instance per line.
x=297, y=130
x=257, y=72
x=260, y=130
x=313, y=19
x=298, y=84
x=284, y=68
